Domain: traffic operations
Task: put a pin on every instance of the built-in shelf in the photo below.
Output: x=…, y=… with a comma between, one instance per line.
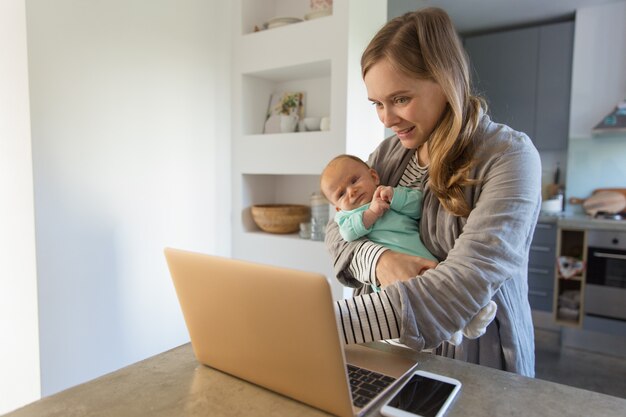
x=274, y=189
x=286, y=237
x=279, y=47
x=320, y=58
x=256, y=13
x=279, y=139
x=276, y=153
x=574, y=278
x=569, y=292
x=312, y=79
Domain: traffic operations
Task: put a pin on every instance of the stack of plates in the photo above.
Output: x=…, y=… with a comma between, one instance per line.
x=281, y=21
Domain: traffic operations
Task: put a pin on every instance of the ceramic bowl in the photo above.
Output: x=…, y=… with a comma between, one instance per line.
x=312, y=123
x=280, y=218
x=551, y=206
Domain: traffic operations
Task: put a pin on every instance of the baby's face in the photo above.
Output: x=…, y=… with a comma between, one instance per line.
x=349, y=184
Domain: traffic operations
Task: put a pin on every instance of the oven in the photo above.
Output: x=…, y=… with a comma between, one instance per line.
x=605, y=290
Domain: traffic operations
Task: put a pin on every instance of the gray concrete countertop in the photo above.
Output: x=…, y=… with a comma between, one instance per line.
x=582, y=221
x=174, y=384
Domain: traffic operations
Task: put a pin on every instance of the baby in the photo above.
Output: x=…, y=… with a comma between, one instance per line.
x=387, y=216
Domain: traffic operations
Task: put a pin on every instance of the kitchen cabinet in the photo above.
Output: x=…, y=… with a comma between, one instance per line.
x=505, y=73
x=541, y=267
x=554, y=78
x=319, y=57
x=525, y=75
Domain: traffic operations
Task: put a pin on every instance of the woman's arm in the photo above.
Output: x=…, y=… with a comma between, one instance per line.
x=367, y=318
x=491, y=248
x=353, y=262
x=395, y=266
x=364, y=262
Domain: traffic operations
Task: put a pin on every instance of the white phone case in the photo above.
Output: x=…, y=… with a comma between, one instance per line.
x=390, y=411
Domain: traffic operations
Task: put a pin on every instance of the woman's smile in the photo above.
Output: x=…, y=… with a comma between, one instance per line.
x=404, y=133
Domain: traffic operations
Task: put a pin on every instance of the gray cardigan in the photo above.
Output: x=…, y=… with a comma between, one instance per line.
x=483, y=256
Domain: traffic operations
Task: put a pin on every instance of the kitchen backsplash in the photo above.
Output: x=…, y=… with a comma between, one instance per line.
x=595, y=163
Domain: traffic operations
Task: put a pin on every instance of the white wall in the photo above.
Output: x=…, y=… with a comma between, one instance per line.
x=599, y=67
x=126, y=106
x=363, y=134
x=19, y=346
x=598, y=84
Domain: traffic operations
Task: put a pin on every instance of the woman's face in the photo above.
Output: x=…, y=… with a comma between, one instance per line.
x=411, y=107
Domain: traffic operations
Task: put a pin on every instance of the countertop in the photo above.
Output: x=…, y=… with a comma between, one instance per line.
x=582, y=221
x=175, y=384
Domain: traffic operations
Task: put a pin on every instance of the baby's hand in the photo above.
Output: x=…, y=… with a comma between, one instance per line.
x=384, y=192
x=381, y=200
x=379, y=206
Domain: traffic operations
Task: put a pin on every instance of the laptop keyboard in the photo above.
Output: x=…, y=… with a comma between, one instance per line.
x=366, y=385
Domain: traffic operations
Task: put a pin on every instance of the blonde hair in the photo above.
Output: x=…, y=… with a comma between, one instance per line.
x=424, y=44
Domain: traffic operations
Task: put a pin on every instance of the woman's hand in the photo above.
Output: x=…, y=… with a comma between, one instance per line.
x=394, y=266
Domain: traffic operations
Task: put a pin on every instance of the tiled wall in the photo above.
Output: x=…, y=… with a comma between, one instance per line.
x=596, y=163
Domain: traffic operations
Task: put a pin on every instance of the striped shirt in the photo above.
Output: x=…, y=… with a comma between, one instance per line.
x=367, y=318
x=372, y=317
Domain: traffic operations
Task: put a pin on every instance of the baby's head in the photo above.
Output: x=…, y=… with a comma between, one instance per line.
x=348, y=182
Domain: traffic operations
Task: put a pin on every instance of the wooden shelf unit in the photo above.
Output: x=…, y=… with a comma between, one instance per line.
x=571, y=243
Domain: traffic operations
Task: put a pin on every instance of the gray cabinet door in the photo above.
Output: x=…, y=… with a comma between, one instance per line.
x=504, y=70
x=525, y=75
x=554, y=79
x=541, y=265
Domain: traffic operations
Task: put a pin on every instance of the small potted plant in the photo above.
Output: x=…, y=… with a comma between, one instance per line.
x=284, y=112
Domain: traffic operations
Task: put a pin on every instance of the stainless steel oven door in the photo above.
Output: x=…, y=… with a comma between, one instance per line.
x=605, y=292
x=605, y=301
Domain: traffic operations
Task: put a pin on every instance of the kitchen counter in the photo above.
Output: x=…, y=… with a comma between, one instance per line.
x=174, y=384
x=582, y=221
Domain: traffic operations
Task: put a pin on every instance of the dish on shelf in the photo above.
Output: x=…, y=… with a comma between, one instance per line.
x=280, y=218
x=312, y=123
x=281, y=21
x=318, y=13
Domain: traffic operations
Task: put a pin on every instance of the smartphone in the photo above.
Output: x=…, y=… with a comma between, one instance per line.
x=424, y=394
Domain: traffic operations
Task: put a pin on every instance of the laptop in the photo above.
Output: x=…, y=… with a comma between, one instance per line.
x=276, y=327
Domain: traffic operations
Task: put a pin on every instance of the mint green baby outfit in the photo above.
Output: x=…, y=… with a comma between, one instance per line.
x=397, y=229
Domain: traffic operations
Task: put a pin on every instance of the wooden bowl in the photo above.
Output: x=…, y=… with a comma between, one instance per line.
x=280, y=218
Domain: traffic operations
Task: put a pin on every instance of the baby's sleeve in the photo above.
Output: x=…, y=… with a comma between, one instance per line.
x=407, y=201
x=351, y=225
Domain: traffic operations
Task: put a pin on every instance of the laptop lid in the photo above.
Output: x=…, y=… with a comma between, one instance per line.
x=272, y=326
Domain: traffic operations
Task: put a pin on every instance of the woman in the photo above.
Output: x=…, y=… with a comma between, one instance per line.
x=481, y=183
